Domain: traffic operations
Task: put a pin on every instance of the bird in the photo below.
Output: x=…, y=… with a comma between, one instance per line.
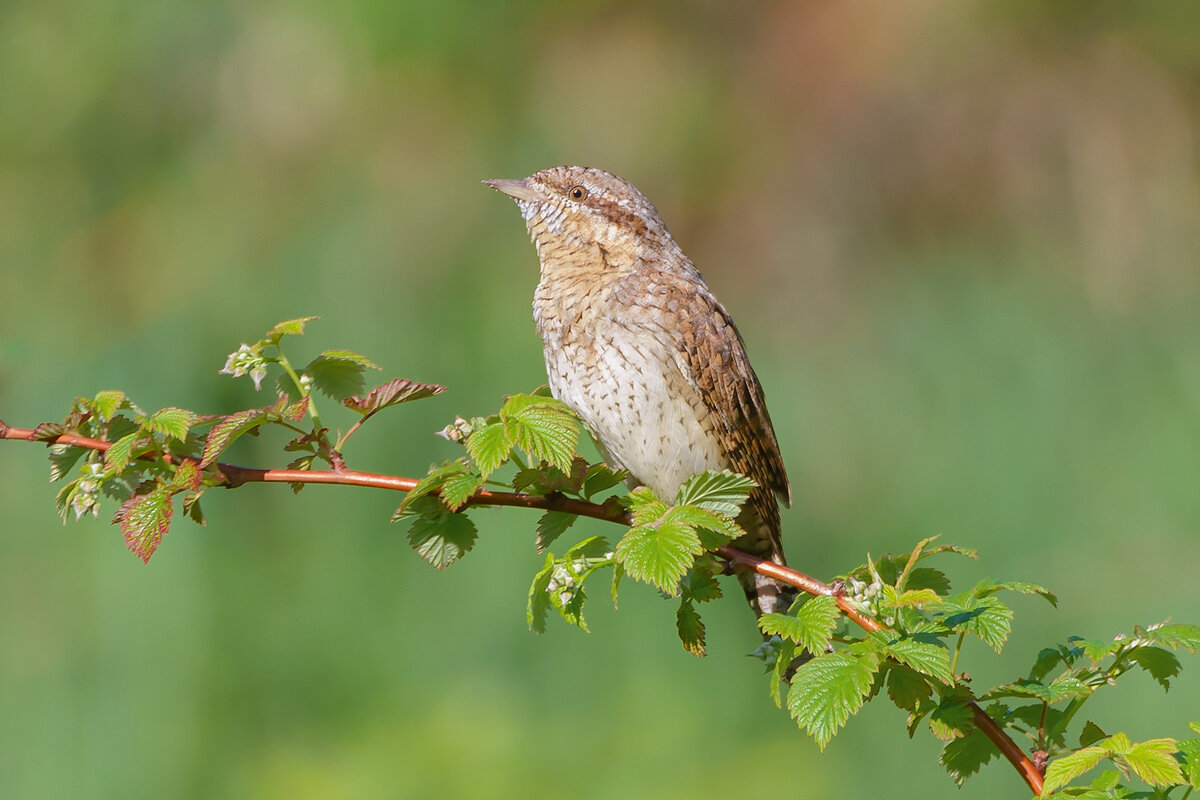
x=637, y=346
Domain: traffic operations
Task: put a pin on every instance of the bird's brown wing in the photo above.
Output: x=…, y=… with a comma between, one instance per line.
x=714, y=360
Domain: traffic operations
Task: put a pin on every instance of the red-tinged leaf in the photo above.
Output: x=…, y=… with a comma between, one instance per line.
x=294, y=412
x=144, y=519
x=394, y=392
x=47, y=432
x=187, y=475
x=221, y=435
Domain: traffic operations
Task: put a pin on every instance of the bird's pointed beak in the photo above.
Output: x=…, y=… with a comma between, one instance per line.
x=517, y=189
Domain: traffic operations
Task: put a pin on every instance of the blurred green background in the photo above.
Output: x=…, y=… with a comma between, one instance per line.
x=960, y=240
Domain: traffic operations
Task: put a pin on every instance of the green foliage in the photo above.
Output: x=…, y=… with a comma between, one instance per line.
x=912, y=625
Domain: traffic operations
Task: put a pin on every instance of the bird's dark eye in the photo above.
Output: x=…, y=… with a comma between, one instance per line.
x=577, y=192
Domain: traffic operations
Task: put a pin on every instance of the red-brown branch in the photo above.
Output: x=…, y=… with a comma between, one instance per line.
x=236, y=476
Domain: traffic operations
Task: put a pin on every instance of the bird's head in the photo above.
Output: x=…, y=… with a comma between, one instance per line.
x=578, y=214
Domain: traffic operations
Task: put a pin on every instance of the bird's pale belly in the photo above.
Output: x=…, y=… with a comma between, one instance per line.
x=642, y=412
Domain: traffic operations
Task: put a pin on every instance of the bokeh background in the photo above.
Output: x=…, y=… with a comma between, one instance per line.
x=960, y=240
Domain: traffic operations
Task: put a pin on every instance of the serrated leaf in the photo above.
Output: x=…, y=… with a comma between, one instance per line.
x=546, y=430
x=952, y=718
x=690, y=628
x=117, y=456
x=441, y=537
x=928, y=578
x=144, y=519
x=171, y=421
x=1091, y=734
x=338, y=373
x=187, y=475
x=490, y=446
x=107, y=403
x=63, y=458
x=1161, y=664
x=459, y=488
x=985, y=617
x=290, y=327
x=1175, y=636
x=1025, y=587
x=600, y=477
x=723, y=492
x=811, y=627
x=785, y=652
x=1190, y=750
x=915, y=598
x=827, y=690
x=434, y=481
x=907, y=688
x=1154, y=762
x=963, y=757
x=227, y=430
x=700, y=584
x=1095, y=649
x=1047, y=659
x=551, y=525
x=47, y=431
x=394, y=392
x=659, y=553
x=539, y=601
x=1063, y=687
x=923, y=652
x=191, y=507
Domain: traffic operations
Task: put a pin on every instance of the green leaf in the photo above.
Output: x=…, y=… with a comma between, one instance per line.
x=1091, y=734
x=539, y=600
x=1161, y=664
x=392, y=393
x=1154, y=762
x=923, y=652
x=459, y=488
x=1023, y=587
x=187, y=475
x=289, y=327
x=690, y=628
x=723, y=492
x=543, y=427
x=117, y=456
x=907, y=688
x=1062, y=771
x=953, y=718
x=811, y=627
x=1175, y=636
x=827, y=690
x=659, y=553
x=172, y=422
x=963, y=757
x=1190, y=750
x=490, y=446
x=1095, y=649
x=433, y=481
x=63, y=458
x=700, y=584
x=985, y=617
x=916, y=598
x=227, y=430
x=438, y=535
x=600, y=477
x=144, y=519
x=928, y=578
x=785, y=652
x=339, y=373
x=1047, y=659
x=551, y=525
x=107, y=403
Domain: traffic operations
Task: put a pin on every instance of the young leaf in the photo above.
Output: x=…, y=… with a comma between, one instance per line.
x=1175, y=636
x=1190, y=750
x=62, y=459
x=225, y=432
x=723, y=492
x=691, y=629
x=173, y=422
x=490, y=446
x=433, y=481
x=459, y=488
x=287, y=328
x=543, y=427
x=963, y=757
x=116, y=457
x=339, y=373
x=551, y=525
x=1062, y=771
x=144, y=519
x=827, y=690
x=107, y=403
x=1154, y=762
x=394, y=392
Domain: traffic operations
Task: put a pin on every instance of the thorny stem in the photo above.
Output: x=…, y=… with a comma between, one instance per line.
x=236, y=476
